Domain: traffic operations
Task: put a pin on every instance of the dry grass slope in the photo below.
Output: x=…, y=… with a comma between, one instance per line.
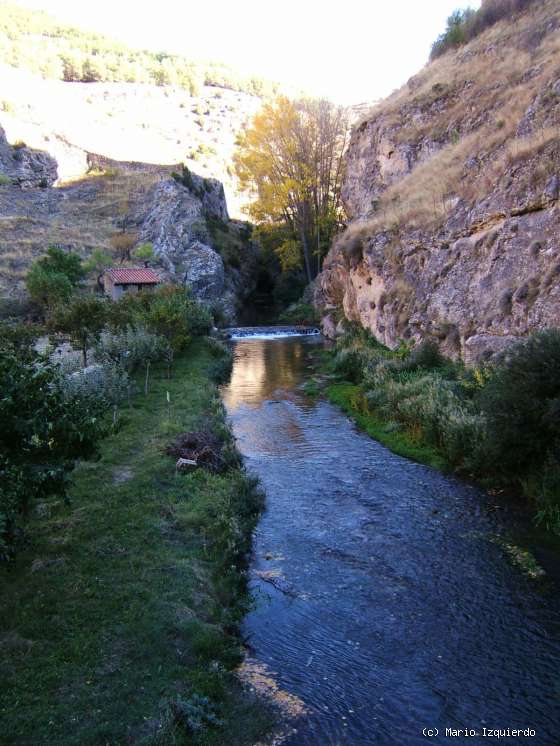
x=82, y=215
x=471, y=107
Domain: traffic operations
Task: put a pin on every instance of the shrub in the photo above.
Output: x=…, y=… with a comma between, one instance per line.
x=132, y=348
x=547, y=489
x=169, y=311
x=108, y=384
x=464, y=25
x=62, y=262
x=47, y=288
x=220, y=370
x=52, y=278
x=299, y=313
x=426, y=355
x=44, y=430
x=348, y=363
x=522, y=404
x=173, y=314
x=83, y=319
x=218, y=313
x=194, y=714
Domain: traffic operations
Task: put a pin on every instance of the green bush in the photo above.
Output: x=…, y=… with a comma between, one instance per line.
x=223, y=360
x=45, y=428
x=169, y=311
x=299, y=313
x=52, y=278
x=546, y=487
x=464, y=25
x=521, y=402
x=500, y=423
x=425, y=355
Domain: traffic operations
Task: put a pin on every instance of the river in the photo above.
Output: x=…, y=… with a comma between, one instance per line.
x=382, y=599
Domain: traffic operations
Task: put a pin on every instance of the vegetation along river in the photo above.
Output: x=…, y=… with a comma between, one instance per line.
x=383, y=599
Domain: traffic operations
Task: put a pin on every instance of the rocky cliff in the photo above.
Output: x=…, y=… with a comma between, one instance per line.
x=452, y=189
x=186, y=220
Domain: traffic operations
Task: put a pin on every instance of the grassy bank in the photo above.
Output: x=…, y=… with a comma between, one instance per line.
x=350, y=398
x=120, y=614
x=496, y=423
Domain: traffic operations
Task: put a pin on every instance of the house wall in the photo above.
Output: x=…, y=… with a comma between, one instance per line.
x=117, y=291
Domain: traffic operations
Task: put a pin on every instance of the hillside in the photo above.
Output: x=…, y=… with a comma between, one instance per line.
x=38, y=42
x=82, y=155
x=126, y=122
x=121, y=203
x=452, y=188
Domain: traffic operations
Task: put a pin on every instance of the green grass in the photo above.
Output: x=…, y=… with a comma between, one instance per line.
x=347, y=395
x=126, y=599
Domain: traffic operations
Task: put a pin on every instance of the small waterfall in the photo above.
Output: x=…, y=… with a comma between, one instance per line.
x=267, y=332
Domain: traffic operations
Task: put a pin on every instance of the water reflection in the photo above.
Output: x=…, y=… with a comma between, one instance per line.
x=263, y=366
x=382, y=601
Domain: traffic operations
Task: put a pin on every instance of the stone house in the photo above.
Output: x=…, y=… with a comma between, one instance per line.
x=121, y=280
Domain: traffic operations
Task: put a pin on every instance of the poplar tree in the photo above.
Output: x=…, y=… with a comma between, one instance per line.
x=290, y=159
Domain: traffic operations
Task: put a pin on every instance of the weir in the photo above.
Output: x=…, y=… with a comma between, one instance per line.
x=266, y=332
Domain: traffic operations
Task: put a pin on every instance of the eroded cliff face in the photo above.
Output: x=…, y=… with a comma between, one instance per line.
x=188, y=227
x=452, y=189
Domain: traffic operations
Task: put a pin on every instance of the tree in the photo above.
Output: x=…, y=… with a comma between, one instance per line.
x=97, y=263
x=122, y=244
x=290, y=158
x=456, y=32
x=52, y=278
x=144, y=253
x=94, y=69
x=62, y=262
x=47, y=288
x=168, y=317
x=83, y=318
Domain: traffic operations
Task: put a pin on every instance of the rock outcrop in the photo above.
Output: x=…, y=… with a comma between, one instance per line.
x=180, y=224
x=452, y=189
x=24, y=166
x=195, y=242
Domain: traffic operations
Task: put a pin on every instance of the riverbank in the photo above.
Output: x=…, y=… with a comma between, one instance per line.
x=120, y=615
x=492, y=424
x=350, y=397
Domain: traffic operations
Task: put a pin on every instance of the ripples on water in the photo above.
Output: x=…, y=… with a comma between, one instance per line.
x=381, y=600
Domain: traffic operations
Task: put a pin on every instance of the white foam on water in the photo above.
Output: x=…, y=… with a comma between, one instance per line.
x=241, y=334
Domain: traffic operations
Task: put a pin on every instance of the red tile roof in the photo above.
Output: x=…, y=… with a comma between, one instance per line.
x=133, y=276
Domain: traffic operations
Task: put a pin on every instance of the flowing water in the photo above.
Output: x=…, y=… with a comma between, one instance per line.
x=383, y=600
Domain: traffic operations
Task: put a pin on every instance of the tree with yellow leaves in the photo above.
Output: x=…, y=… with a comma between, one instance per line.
x=289, y=158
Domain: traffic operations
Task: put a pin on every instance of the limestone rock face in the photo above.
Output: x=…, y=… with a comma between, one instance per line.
x=453, y=196
x=178, y=226
x=204, y=271
x=175, y=219
x=26, y=167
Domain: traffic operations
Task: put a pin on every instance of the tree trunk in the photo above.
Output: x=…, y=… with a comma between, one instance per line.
x=147, y=378
x=306, y=259
x=84, y=356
